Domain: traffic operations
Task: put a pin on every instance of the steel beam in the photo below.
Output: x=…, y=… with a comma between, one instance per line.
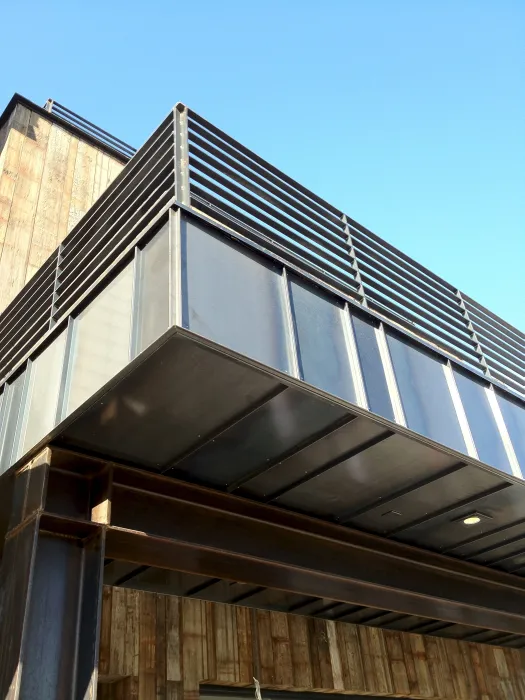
x=158, y=521
x=50, y=591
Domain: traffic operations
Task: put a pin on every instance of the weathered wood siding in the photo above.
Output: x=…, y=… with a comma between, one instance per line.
x=158, y=647
x=48, y=180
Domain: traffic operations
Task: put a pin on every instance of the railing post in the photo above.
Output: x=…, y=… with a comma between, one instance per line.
x=354, y=263
x=182, y=175
x=473, y=335
x=55, y=288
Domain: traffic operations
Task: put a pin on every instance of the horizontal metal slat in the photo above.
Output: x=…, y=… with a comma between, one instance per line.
x=219, y=211
x=490, y=316
x=374, y=262
x=339, y=252
x=112, y=248
x=404, y=262
x=514, y=358
x=201, y=159
x=440, y=338
x=432, y=310
x=30, y=296
x=516, y=386
x=382, y=256
x=140, y=167
x=483, y=329
x=198, y=146
x=137, y=191
x=252, y=160
x=286, y=239
x=417, y=317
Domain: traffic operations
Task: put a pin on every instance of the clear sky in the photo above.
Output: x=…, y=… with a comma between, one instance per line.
x=407, y=114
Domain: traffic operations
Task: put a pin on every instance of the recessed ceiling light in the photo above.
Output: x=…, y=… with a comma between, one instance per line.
x=472, y=518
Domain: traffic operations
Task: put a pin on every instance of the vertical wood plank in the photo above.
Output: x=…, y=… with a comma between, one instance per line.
x=83, y=178
x=44, y=238
x=11, y=155
x=335, y=656
x=147, y=645
x=351, y=658
x=265, y=647
x=397, y=662
x=245, y=645
x=424, y=678
x=105, y=632
x=191, y=648
x=67, y=189
x=173, y=641
x=282, y=657
x=160, y=648
x=300, y=652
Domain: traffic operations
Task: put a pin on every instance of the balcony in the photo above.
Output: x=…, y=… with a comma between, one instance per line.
x=213, y=320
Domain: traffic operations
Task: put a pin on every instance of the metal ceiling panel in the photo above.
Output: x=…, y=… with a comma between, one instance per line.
x=388, y=466
x=267, y=434
x=168, y=404
x=316, y=456
x=448, y=490
x=444, y=531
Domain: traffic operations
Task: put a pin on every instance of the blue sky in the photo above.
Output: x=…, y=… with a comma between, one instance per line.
x=408, y=115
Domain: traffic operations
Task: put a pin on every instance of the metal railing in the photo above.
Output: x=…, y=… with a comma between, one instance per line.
x=190, y=162
x=90, y=129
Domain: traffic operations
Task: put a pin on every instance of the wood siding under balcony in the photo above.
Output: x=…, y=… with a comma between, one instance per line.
x=159, y=646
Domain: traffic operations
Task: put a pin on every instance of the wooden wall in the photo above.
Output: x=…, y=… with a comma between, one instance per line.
x=158, y=647
x=48, y=179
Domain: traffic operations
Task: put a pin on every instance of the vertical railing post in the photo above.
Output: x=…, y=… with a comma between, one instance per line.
x=354, y=263
x=182, y=175
x=55, y=288
x=475, y=340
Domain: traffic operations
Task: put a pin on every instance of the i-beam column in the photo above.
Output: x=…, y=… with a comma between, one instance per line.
x=51, y=585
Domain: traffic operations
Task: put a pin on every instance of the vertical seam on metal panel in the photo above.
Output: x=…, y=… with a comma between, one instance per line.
x=176, y=224
x=135, y=310
x=23, y=415
x=391, y=381
x=460, y=411
x=353, y=358
x=292, y=341
x=504, y=433
x=67, y=368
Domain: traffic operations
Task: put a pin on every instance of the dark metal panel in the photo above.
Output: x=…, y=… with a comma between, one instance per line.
x=321, y=340
x=102, y=340
x=425, y=396
x=489, y=537
x=372, y=367
x=386, y=467
x=448, y=490
x=11, y=418
x=155, y=415
x=447, y=531
x=233, y=297
x=514, y=417
x=265, y=436
x=487, y=438
x=322, y=452
x=43, y=393
x=153, y=316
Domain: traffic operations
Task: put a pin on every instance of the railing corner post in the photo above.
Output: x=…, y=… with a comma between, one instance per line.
x=182, y=165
